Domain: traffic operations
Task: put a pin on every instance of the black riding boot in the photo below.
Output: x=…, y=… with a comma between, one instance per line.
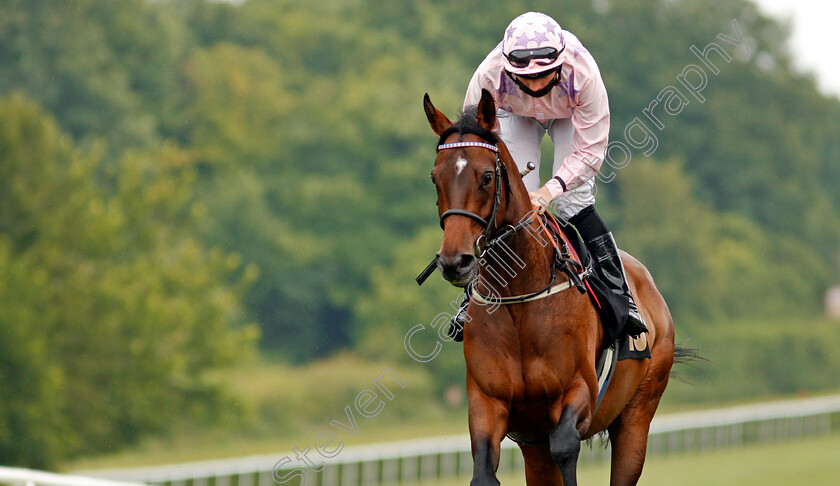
x=600, y=242
x=612, y=272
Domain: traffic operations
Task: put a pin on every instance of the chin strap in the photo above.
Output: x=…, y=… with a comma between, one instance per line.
x=535, y=94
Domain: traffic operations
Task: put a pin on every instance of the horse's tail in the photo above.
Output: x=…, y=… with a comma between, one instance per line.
x=686, y=355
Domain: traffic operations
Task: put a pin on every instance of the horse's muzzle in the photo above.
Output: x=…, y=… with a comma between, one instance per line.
x=458, y=270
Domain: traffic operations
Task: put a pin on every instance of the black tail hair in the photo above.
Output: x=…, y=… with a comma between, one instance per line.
x=686, y=355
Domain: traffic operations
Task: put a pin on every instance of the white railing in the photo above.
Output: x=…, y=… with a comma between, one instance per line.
x=440, y=457
x=13, y=476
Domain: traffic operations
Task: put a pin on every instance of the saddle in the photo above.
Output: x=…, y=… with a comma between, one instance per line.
x=611, y=308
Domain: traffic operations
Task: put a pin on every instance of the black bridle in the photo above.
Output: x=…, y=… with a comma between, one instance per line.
x=484, y=241
x=497, y=198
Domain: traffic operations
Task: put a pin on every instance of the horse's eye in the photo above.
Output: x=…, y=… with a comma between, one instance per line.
x=487, y=179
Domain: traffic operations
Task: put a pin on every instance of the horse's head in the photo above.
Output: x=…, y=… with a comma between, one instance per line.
x=471, y=181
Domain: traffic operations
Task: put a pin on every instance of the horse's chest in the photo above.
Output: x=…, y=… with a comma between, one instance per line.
x=509, y=377
x=496, y=374
x=541, y=379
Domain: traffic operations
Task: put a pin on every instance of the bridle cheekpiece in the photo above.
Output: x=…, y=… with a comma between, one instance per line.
x=480, y=243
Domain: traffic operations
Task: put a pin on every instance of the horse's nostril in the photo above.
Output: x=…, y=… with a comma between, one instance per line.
x=466, y=261
x=457, y=266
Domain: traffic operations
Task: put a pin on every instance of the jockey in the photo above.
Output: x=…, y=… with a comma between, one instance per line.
x=543, y=80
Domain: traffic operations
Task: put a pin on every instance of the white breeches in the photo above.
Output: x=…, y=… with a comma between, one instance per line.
x=522, y=135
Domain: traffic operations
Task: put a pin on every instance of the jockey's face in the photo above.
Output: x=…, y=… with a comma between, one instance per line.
x=538, y=83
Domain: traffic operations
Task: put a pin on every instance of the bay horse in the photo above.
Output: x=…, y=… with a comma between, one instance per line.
x=531, y=366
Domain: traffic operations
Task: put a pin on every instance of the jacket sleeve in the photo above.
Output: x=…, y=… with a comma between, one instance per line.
x=474, y=90
x=591, y=121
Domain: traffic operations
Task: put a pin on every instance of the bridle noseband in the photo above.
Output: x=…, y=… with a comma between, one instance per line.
x=487, y=223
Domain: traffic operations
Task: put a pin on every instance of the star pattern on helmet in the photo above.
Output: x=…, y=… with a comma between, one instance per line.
x=531, y=31
x=539, y=38
x=522, y=40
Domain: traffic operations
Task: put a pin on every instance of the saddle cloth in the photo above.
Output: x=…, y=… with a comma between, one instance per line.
x=611, y=307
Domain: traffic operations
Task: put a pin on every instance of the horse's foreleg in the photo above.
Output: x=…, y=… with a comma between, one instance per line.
x=488, y=426
x=540, y=468
x=564, y=440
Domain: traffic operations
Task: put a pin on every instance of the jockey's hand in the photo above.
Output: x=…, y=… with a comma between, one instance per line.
x=540, y=199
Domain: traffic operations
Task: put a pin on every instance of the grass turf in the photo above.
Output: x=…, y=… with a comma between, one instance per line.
x=807, y=461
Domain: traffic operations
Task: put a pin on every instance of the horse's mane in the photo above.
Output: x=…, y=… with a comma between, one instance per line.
x=467, y=123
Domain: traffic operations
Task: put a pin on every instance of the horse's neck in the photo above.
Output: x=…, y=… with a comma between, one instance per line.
x=523, y=263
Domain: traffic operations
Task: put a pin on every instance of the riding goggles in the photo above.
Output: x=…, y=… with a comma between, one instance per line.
x=521, y=58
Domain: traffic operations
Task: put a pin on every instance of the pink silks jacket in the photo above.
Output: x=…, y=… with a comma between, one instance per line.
x=580, y=96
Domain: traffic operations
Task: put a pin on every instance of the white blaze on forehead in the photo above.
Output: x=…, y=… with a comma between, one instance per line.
x=460, y=164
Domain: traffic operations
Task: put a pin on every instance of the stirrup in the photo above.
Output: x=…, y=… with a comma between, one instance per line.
x=456, y=324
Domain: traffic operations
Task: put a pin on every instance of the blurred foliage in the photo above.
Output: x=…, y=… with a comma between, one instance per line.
x=710, y=265
x=281, y=400
x=170, y=170
x=752, y=358
x=111, y=307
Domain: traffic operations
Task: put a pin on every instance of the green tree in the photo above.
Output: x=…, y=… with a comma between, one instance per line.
x=119, y=308
x=313, y=155
x=103, y=69
x=33, y=429
x=396, y=304
x=710, y=265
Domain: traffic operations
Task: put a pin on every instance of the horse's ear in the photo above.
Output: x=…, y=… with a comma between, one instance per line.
x=486, y=116
x=437, y=120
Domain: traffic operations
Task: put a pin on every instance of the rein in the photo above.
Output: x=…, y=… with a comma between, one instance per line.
x=562, y=256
